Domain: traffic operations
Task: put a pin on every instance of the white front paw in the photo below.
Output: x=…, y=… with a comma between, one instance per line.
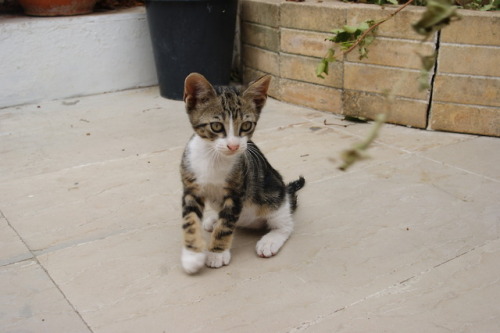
x=192, y=261
x=269, y=245
x=218, y=259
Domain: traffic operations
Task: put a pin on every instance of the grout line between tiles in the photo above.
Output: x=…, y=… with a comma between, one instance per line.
x=97, y=163
x=459, y=168
x=16, y=259
x=34, y=258
x=81, y=242
x=361, y=169
x=392, y=289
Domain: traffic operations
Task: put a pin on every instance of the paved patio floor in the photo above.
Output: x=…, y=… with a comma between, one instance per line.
x=90, y=228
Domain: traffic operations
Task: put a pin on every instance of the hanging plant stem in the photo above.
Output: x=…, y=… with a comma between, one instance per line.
x=373, y=27
x=350, y=37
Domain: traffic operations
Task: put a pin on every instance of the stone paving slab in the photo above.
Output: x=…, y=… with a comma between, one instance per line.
x=90, y=226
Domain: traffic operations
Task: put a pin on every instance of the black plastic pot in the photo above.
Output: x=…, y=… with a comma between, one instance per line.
x=191, y=36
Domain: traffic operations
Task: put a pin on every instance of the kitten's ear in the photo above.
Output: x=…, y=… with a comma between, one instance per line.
x=197, y=89
x=257, y=91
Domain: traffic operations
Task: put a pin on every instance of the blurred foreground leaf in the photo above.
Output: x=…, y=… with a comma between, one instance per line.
x=439, y=14
x=358, y=151
x=428, y=63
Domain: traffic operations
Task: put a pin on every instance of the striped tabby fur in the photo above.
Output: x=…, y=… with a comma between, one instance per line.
x=222, y=167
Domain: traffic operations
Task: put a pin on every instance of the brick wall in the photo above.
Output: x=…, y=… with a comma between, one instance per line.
x=287, y=40
x=467, y=87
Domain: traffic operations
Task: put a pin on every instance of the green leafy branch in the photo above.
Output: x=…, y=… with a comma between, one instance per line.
x=349, y=37
x=439, y=13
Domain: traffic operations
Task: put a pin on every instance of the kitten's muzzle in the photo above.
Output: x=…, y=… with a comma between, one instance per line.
x=233, y=148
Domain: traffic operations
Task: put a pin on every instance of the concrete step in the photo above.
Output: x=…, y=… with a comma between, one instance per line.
x=47, y=58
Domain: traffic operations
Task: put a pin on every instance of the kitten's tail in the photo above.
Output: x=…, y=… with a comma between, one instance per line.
x=292, y=189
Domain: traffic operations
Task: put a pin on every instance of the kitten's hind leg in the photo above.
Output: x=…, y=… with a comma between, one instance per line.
x=281, y=224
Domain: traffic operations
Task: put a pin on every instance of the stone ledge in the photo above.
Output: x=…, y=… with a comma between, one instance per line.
x=297, y=67
x=467, y=73
x=411, y=112
x=261, y=59
x=394, y=53
x=383, y=80
x=60, y=57
x=261, y=11
x=465, y=89
x=311, y=95
x=308, y=43
x=260, y=36
x=465, y=119
x=484, y=60
x=474, y=27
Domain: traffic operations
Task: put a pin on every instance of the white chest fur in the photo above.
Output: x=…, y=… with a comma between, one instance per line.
x=210, y=168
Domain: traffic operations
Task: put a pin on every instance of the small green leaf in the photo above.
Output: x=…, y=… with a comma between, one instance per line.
x=364, y=26
x=330, y=55
x=342, y=37
x=423, y=80
x=369, y=39
x=322, y=68
x=346, y=45
x=429, y=61
x=350, y=29
x=363, y=53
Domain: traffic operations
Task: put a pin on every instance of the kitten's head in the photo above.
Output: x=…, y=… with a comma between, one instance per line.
x=224, y=116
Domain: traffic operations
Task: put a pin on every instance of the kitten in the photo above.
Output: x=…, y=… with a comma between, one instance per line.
x=221, y=166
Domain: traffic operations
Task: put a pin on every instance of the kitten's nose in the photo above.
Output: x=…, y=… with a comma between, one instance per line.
x=233, y=147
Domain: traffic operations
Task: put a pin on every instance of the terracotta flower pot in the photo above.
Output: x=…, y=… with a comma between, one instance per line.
x=57, y=7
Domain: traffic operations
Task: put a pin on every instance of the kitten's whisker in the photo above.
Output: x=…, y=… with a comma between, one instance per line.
x=213, y=155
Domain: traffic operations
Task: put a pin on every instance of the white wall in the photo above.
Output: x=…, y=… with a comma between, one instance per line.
x=60, y=57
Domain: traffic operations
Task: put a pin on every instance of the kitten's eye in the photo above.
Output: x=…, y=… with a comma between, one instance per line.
x=246, y=126
x=217, y=127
